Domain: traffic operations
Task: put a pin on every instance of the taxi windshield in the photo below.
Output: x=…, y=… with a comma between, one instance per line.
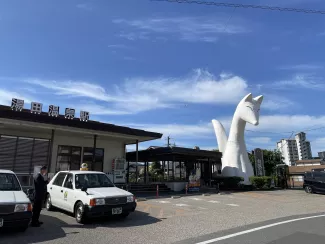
x=92, y=181
x=9, y=182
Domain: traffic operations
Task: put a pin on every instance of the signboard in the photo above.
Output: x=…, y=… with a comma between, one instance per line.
x=259, y=162
x=194, y=180
x=69, y=113
x=84, y=116
x=54, y=111
x=17, y=104
x=36, y=108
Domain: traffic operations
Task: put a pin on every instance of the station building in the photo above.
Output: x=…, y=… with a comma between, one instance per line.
x=31, y=137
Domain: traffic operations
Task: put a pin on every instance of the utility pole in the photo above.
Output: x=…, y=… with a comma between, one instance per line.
x=168, y=141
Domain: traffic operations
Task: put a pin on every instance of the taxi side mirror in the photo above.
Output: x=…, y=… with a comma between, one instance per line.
x=84, y=188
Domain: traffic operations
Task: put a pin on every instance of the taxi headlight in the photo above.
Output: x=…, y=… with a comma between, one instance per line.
x=100, y=201
x=21, y=207
x=130, y=198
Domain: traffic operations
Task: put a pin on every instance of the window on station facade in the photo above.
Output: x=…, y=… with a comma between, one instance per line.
x=68, y=158
x=88, y=158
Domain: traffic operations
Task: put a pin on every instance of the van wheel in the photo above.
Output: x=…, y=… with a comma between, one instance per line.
x=48, y=205
x=308, y=189
x=79, y=213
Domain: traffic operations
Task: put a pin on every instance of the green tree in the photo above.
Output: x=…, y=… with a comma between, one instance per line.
x=155, y=168
x=271, y=159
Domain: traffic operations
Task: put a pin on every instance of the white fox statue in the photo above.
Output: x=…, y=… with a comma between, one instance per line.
x=235, y=161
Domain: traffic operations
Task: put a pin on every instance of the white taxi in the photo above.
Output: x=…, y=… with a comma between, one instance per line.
x=15, y=207
x=88, y=194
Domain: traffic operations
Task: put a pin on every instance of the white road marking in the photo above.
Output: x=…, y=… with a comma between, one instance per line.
x=256, y=229
x=196, y=199
x=182, y=205
x=212, y=201
x=202, y=208
x=163, y=201
x=233, y=205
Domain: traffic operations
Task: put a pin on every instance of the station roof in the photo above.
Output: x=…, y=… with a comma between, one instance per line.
x=25, y=115
x=173, y=153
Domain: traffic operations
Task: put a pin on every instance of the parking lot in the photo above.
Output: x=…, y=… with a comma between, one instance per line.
x=167, y=220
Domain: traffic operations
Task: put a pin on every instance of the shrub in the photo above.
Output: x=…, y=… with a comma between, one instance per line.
x=228, y=182
x=261, y=182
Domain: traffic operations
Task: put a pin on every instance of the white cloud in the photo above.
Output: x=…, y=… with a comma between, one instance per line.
x=205, y=29
x=318, y=145
x=143, y=94
x=85, y=6
x=274, y=102
x=303, y=81
x=260, y=140
x=271, y=129
x=122, y=46
x=300, y=67
x=136, y=95
x=6, y=97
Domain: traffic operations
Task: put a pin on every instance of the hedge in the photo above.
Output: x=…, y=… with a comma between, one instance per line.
x=228, y=182
x=261, y=182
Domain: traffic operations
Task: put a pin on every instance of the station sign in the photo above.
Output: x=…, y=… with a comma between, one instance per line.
x=259, y=162
x=53, y=110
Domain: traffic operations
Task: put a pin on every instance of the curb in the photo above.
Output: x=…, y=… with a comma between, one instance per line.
x=206, y=194
x=175, y=197
x=141, y=199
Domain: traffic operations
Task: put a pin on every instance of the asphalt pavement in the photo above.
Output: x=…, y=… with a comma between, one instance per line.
x=303, y=229
x=189, y=219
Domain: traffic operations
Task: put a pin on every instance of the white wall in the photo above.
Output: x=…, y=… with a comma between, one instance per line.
x=113, y=147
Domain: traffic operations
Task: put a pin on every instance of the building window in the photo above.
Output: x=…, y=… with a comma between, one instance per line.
x=99, y=158
x=68, y=158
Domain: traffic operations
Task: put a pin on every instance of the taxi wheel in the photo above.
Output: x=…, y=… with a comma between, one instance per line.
x=48, y=206
x=79, y=213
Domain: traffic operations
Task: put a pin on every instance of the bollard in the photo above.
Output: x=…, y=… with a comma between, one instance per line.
x=186, y=189
x=157, y=191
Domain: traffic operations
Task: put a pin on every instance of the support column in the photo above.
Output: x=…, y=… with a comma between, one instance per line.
x=210, y=172
x=128, y=173
x=145, y=173
x=15, y=156
x=50, y=150
x=94, y=152
x=136, y=160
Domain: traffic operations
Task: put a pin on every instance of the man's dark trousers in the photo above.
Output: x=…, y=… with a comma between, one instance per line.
x=40, y=186
x=37, y=210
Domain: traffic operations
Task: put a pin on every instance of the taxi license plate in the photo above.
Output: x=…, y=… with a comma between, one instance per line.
x=1, y=222
x=116, y=211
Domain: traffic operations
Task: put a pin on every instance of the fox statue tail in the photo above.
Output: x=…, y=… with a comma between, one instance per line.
x=220, y=134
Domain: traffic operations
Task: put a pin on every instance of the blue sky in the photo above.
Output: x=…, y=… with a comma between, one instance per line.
x=168, y=67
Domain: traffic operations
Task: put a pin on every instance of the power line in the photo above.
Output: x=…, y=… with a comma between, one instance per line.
x=238, y=5
x=286, y=132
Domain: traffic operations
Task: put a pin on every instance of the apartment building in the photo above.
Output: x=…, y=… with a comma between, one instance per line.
x=289, y=151
x=295, y=149
x=321, y=155
x=303, y=146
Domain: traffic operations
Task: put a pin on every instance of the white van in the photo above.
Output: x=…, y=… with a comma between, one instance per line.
x=15, y=207
x=88, y=194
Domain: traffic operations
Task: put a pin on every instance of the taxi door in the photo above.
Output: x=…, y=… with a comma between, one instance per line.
x=68, y=196
x=56, y=190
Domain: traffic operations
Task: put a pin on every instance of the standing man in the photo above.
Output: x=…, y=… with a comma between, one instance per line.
x=40, y=190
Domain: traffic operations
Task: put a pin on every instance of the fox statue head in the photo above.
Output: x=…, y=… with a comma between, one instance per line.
x=248, y=109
